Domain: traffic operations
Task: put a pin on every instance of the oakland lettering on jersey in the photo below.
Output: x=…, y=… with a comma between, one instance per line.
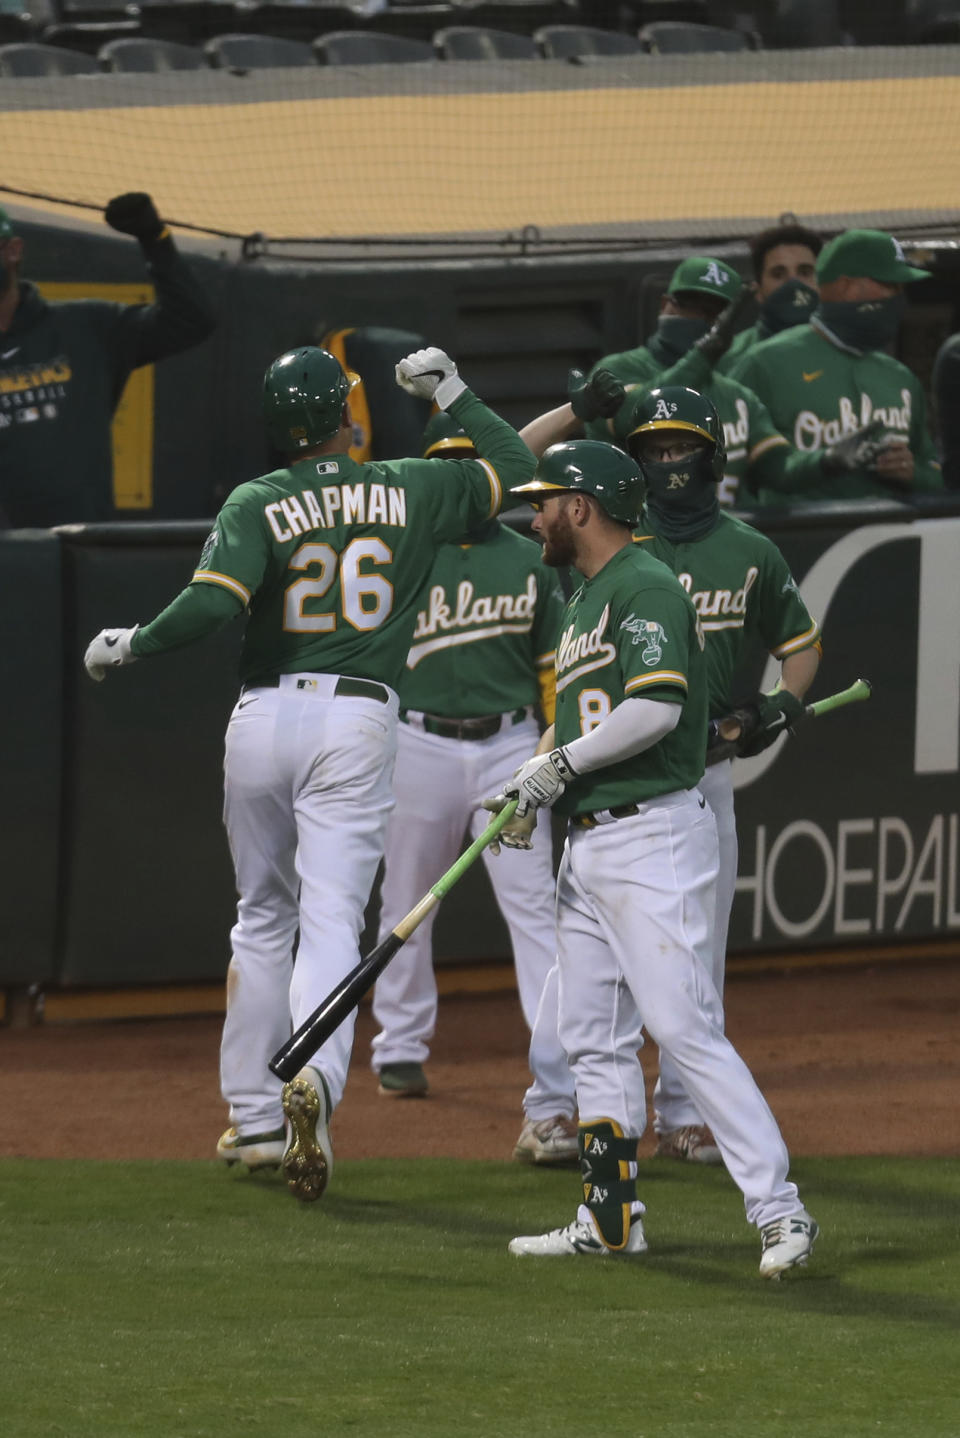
x=336, y=504
x=735, y=436
x=579, y=654
x=719, y=603
x=469, y=619
x=470, y=612
x=812, y=432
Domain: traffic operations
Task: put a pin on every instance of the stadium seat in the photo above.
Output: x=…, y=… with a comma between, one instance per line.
x=473, y=42
x=369, y=47
x=30, y=61
x=796, y=24
x=520, y=16
x=933, y=22
x=90, y=36
x=257, y=52
x=668, y=37
x=568, y=42
x=141, y=56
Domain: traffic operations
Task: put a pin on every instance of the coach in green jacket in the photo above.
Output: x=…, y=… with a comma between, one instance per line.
x=63, y=367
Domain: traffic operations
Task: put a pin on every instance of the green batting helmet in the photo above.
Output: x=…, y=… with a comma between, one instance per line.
x=304, y=392
x=676, y=407
x=444, y=439
x=588, y=466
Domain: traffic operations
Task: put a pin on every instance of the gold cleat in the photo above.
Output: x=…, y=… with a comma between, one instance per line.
x=308, y=1159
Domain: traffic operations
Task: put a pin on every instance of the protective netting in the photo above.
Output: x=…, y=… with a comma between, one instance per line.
x=644, y=148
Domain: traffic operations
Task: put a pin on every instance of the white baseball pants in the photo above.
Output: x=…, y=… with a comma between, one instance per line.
x=439, y=783
x=635, y=911
x=673, y=1107
x=307, y=798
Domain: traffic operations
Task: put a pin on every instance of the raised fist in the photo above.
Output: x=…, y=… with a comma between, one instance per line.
x=134, y=214
x=430, y=374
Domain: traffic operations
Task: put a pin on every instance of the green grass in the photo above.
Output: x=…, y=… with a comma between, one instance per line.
x=143, y=1299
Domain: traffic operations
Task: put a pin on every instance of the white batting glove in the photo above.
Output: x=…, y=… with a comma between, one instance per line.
x=430, y=374
x=516, y=833
x=110, y=649
x=540, y=781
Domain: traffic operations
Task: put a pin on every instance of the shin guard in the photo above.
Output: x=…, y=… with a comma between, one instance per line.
x=608, y=1189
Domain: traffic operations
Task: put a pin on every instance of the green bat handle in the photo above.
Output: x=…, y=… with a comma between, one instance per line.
x=457, y=870
x=857, y=692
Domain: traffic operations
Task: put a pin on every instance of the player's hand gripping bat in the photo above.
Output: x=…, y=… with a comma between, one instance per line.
x=325, y=1020
x=729, y=734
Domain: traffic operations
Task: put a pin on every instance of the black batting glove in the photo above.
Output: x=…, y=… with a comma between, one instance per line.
x=597, y=398
x=135, y=214
x=718, y=339
x=770, y=715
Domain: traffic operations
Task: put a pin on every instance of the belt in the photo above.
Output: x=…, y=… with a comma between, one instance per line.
x=604, y=816
x=346, y=688
x=482, y=727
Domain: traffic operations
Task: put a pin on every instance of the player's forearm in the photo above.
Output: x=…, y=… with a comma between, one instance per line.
x=199, y=610
x=786, y=470
x=634, y=725
x=550, y=428
x=494, y=439
x=798, y=671
x=181, y=315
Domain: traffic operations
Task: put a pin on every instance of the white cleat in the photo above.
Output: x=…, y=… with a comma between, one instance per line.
x=787, y=1243
x=308, y=1159
x=548, y=1141
x=252, y=1151
x=580, y=1236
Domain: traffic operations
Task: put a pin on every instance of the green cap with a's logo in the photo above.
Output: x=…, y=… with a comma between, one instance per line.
x=867, y=254
x=6, y=225
x=707, y=276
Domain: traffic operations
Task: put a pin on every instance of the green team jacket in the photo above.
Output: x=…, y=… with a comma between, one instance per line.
x=818, y=392
x=63, y=370
x=332, y=557
x=758, y=456
x=486, y=630
x=631, y=630
x=742, y=590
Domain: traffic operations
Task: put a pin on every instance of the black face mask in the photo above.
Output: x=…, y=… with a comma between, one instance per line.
x=681, y=497
x=4, y=277
x=863, y=324
x=791, y=303
x=675, y=334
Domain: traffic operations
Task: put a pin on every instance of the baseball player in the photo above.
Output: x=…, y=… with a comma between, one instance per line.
x=329, y=558
x=636, y=888
x=481, y=660
x=824, y=380
x=743, y=592
x=784, y=262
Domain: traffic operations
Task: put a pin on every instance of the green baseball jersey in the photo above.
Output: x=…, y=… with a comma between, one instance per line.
x=818, y=392
x=488, y=624
x=332, y=556
x=631, y=630
x=749, y=433
x=742, y=589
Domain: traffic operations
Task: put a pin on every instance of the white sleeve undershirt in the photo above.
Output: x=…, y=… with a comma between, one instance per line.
x=635, y=725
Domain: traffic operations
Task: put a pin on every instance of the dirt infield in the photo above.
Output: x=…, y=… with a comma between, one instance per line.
x=852, y=1061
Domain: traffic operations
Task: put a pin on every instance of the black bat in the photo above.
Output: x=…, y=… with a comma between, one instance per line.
x=341, y=1001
